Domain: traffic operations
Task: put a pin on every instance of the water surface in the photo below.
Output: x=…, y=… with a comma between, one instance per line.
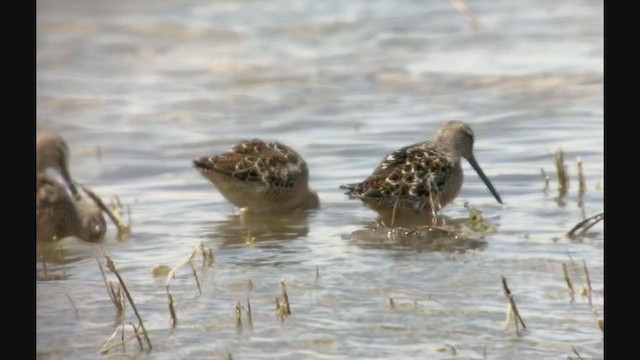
x=140, y=89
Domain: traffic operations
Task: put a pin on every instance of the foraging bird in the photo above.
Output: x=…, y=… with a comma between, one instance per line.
x=58, y=215
x=422, y=177
x=261, y=177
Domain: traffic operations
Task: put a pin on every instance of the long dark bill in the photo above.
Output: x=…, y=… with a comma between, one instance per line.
x=67, y=178
x=484, y=178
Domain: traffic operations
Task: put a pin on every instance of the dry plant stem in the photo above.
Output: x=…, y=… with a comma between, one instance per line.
x=137, y=334
x=576, y=352
x=515, y=321
x=113, y=269
x=581, y=181
x=170, y=275
x=75, y=309
x=563, y=181
x=122, y=340
x=512, y=302
x=285, y=297
x=122, y=333
x=280, y=310
x=195, y=275
x=207, y=255
x=586, y=272
x=586, y=224
x=106, y=285
x=106, y=349
x=507, y=321
x=98, y=201
x=121, y=323
x=545, y=177
x=582, y=187
x=249, y=316
x=116, y=294
x=172, y=310
x=239, y=316
x=566, y=278
x=123, y=305
x=204, y=254
x=317, y=273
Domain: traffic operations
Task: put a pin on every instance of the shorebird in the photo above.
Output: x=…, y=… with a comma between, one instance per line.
x=422, y=177
x=58, y=215
x=260, y=177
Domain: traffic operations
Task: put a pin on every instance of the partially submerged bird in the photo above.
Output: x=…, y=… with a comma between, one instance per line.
x=58, y=215
x=422, y=177
x=261, y=177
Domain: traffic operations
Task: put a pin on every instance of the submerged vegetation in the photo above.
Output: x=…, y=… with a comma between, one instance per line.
x=512, y=309
x=563, y=186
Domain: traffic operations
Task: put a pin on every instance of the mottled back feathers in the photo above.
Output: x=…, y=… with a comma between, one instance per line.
x=423, y=176
x=271, y=163
x=260, y=176
x=407, y=177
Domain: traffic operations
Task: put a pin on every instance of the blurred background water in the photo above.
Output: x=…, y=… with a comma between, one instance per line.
x=139, y=89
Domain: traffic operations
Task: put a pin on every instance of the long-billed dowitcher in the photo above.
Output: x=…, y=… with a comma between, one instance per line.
x=261, y=177
x=58, y=215
x=422, y=177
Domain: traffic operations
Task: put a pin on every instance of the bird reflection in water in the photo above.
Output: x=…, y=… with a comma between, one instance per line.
x=246, y=228
x=440, y=234
x=53, y=258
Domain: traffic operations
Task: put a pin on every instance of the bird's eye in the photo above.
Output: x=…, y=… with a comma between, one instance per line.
x=468, y=135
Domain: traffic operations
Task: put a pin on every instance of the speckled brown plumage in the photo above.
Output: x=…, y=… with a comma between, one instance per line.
x=421, y=176
x=260, y=176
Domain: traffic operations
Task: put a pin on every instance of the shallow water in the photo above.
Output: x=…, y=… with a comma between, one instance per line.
x=139, y=89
